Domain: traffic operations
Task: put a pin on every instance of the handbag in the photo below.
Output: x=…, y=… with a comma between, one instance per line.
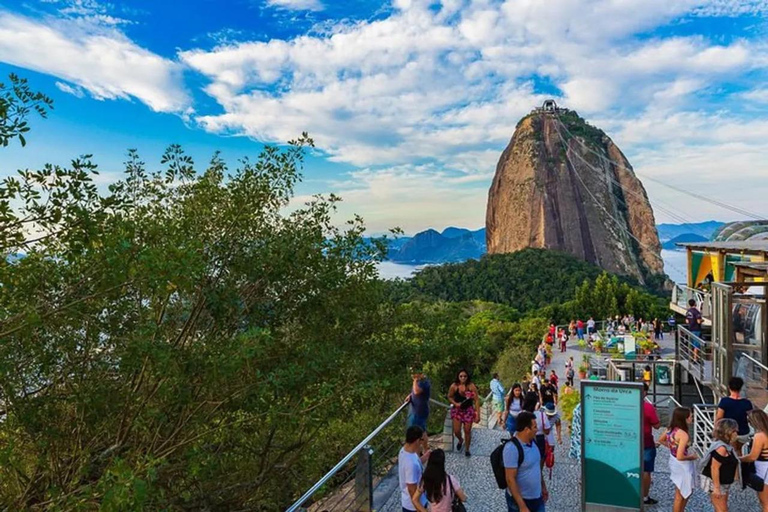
x=756, y=482
x=456, y=504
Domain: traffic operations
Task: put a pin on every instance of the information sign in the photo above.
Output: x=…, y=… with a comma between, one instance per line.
x=629, y=346
x=612, y=446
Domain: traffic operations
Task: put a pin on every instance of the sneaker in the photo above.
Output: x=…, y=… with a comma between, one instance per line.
x=467, y=454
x=650, y=501
x=458, y=446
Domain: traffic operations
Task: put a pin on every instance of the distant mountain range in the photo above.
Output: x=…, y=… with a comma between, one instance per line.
x=671, y=245
x=456, y=244
x=452, y=245
x=703, y=229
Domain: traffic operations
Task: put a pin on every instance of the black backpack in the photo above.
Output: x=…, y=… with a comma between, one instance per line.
x=497, y=461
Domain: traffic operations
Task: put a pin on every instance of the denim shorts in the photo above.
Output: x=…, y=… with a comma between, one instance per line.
x=536, y=505
x=419, y=421
x=649, y=459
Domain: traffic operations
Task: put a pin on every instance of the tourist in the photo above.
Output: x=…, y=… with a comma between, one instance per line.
x=681, y=465
x=650, y=422
x=570, y=373
x=437, y=485
x=466, y=409
x=572, y=328
x=554, y=379
x=552, y=329
x=658, y=329
x=720, y=464
x=497, y=390
x=554, y=418
x=409, y=467
x=563, y=341
x=514, y=406
x=418, y=411
x=549, y=397
x=579, y=329
x=759, y=453
x=543, y=426
x=526, y=489
x=594, y=375
x=693, y=319
x=736, y=408
x=533, y=394
x=535, y=367
x=536, y=380
x=591, y=326
x=647, y=375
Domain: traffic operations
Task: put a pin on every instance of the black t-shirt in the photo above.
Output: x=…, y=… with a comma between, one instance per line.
x=736, y=410
x=548, y=392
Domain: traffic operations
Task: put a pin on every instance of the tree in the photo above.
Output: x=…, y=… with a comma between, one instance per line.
x=17, y=100
x=180, y=341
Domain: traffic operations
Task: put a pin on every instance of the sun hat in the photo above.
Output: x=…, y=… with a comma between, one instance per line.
x=549, y=409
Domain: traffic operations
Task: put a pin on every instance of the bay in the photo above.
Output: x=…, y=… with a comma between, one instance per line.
x=674, y=265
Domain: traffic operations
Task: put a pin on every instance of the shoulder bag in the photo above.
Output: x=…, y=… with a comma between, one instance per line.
x=456, y=504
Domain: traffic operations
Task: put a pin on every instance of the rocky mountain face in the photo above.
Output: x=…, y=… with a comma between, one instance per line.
x=556, y=187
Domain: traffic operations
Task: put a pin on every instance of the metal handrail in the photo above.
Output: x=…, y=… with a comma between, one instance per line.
x=703, y=426
x=345, y=460
x=758, y=363
x=440, y=404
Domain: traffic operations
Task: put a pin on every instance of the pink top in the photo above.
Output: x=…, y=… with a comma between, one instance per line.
x=673, y=444
x=444, y=505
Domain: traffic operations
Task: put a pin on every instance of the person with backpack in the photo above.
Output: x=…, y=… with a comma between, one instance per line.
x=759, y=455
x=524, y=479
x=441, y=489
x=720, y=464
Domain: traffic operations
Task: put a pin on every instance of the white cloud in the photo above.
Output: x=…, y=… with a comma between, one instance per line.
x=74, y=91
x=297, y=5
x=100, y=60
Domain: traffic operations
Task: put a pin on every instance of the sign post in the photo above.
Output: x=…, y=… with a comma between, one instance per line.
x=611, y=446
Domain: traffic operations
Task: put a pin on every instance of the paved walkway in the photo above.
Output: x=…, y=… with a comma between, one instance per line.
x=476, y=477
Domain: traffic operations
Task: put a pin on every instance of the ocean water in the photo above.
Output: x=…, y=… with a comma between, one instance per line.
x=674, y=265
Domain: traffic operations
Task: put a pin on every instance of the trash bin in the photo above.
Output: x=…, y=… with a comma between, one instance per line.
x=662, y=375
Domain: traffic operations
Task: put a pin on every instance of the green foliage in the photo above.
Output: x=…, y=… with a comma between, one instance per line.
x=513, y=363
x=17, y=100
x=525, y=280
x=174, y=342
x=567, y=402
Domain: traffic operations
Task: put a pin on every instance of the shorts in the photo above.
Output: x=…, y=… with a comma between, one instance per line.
x=535, y=505
x=463, y=415
x=498, y=406
x=417, y=421
x=649, y=459
x=511, y=424
x=708, y=485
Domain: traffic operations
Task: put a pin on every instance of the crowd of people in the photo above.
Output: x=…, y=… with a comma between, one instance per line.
x=529, y=412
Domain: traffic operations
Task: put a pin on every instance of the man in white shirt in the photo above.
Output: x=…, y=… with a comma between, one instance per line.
x=410, y=467
x=535, y=368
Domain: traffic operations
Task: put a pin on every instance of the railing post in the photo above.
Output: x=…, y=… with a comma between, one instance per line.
x=364, y=480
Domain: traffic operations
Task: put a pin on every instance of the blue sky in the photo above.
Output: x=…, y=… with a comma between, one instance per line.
x=410, y=102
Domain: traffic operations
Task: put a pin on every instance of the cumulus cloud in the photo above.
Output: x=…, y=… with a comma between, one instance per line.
x=96, y=58
x=437, y=82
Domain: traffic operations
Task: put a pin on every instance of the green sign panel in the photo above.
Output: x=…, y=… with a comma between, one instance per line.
x=611, y=446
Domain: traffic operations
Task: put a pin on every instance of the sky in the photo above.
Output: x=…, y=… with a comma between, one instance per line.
x=410, y=102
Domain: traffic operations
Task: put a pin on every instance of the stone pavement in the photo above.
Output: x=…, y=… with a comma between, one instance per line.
x=476, y=477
